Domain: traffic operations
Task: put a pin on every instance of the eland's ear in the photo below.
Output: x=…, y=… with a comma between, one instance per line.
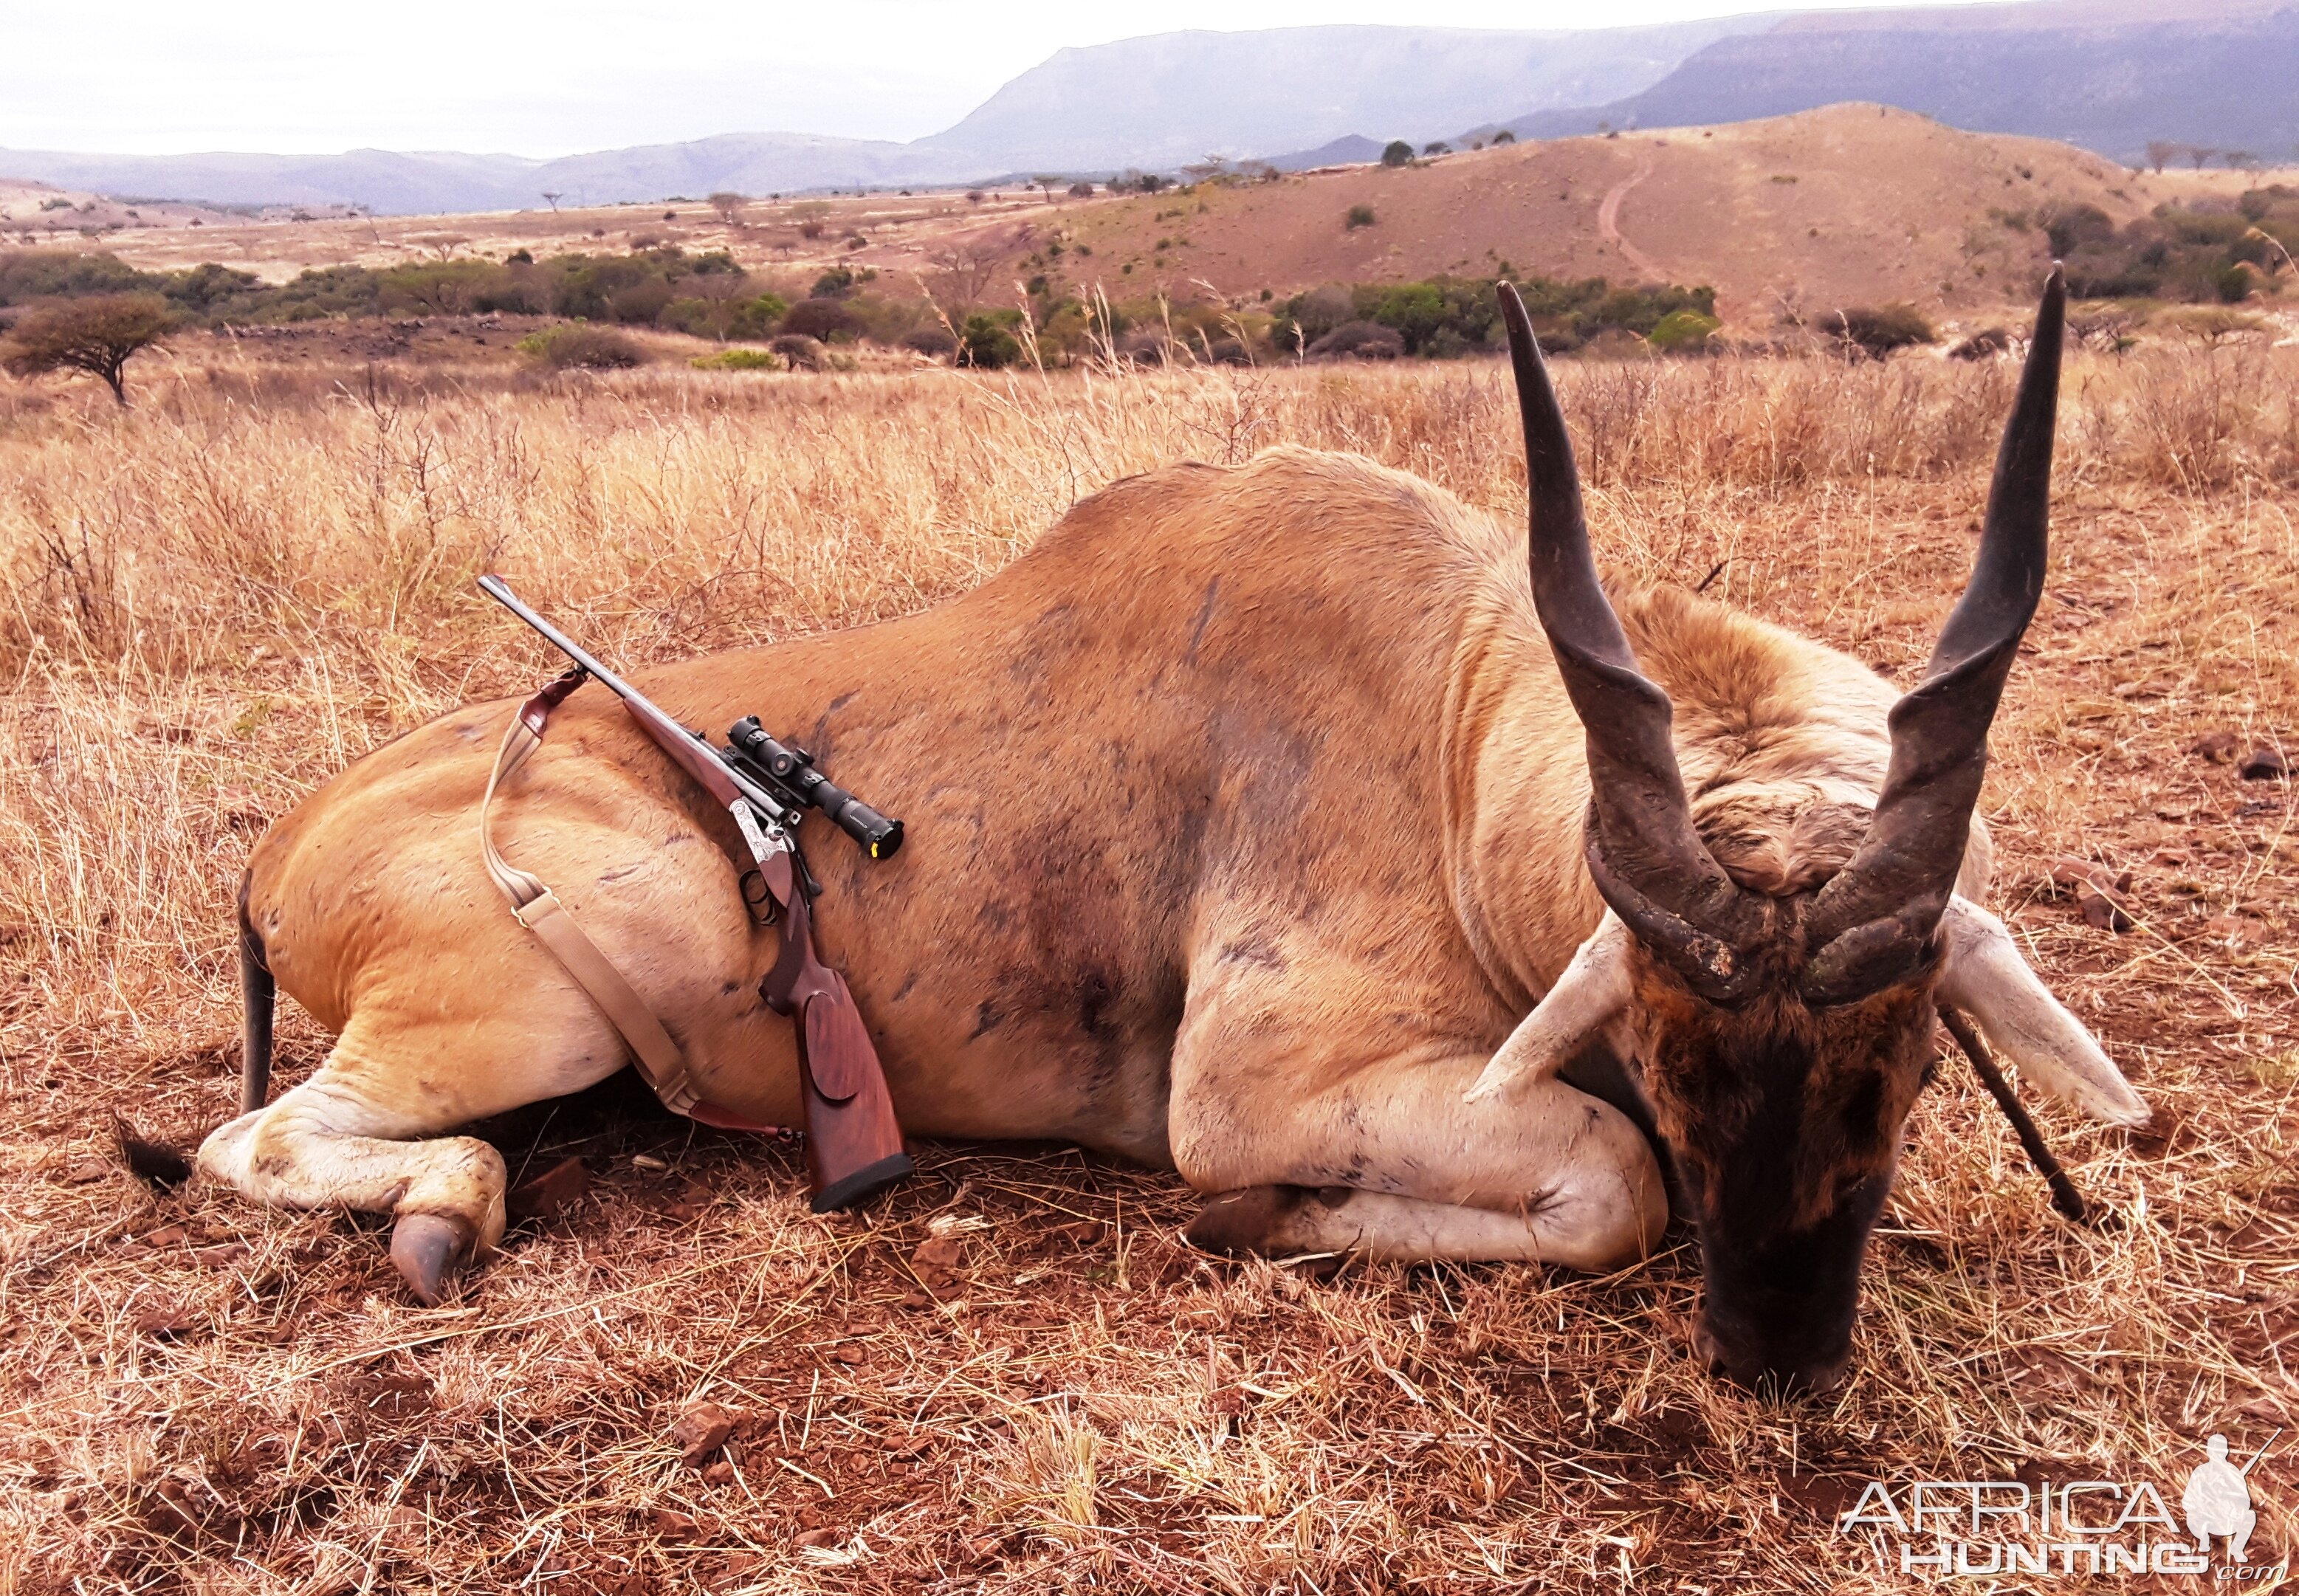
x=1983, y=975
x=1594, y=991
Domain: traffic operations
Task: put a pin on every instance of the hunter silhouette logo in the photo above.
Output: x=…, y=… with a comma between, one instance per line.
x=1990, y=1529
x=2218, y=1499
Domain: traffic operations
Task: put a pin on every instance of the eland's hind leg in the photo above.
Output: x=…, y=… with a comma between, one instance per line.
x=348, y=1138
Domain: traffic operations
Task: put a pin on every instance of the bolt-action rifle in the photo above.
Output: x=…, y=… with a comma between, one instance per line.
x=854, y=1144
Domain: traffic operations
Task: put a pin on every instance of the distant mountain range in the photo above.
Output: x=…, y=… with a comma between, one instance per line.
x=2111, y=75
x=2115, y=79
x=1152, y=102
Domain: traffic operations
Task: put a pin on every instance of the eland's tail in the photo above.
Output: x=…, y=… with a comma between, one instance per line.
x=256, y=991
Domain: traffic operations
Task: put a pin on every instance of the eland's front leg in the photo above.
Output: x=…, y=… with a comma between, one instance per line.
x=1388, y=1159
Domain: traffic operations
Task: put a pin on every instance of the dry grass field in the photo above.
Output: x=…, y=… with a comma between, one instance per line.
x=210, y=602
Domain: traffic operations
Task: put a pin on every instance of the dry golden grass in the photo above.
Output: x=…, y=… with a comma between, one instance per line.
x=210, y=603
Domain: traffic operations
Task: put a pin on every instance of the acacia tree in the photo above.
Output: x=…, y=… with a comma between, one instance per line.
x=97, y=335
x=729, y=206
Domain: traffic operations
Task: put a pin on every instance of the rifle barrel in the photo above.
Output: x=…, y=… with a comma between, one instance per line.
x=658, y=723
x=499, y=590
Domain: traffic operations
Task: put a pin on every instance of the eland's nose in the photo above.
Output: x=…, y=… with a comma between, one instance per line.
x=1763, y=1370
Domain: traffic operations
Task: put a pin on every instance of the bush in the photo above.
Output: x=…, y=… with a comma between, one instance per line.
x=2175, y=252
x=827, y=321
x=757, y=318
x=986, y=341
x=936, y=341
x=1988, y=341
x=1447, y=316
x=1877, y=331
x=1681, y=332
x=736, y=360
x=803, y=353
x=572, y=346
x=2071, y=229
x=1359, y=340
x=1308, y=317
x=1359, y=216
x=97, y=335
x=1396, y=152
x=1503, y=137
x=639, y=304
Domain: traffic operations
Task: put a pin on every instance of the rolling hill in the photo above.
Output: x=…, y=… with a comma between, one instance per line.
x=1849, y=204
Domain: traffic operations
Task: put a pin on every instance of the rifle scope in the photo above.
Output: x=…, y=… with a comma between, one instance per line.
x=793, y=770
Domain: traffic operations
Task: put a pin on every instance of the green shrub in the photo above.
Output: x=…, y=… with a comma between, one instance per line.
x=1682, y=331
x=209, y=287
x=1446, y=316
x=1396, y=152
x=1359, y=216
x=987, y=341
x=2176, y=253
x=573, y=346
x=736, y=360
x=757, y=318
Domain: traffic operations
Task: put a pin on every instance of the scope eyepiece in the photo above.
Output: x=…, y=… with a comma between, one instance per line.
x=881, y=838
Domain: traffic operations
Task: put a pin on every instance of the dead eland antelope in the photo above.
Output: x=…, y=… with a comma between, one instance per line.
x=1271, y=824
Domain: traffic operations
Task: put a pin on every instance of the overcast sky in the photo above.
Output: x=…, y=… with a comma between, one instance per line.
x=168, y=77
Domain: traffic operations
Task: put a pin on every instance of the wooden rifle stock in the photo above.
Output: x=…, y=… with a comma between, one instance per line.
x=853, y=1141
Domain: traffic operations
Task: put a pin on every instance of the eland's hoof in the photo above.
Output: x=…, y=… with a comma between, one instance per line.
x=425, y=1247
x=1248, y=1221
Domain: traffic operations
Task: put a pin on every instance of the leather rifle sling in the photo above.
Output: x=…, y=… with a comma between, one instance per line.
x=534, y=907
